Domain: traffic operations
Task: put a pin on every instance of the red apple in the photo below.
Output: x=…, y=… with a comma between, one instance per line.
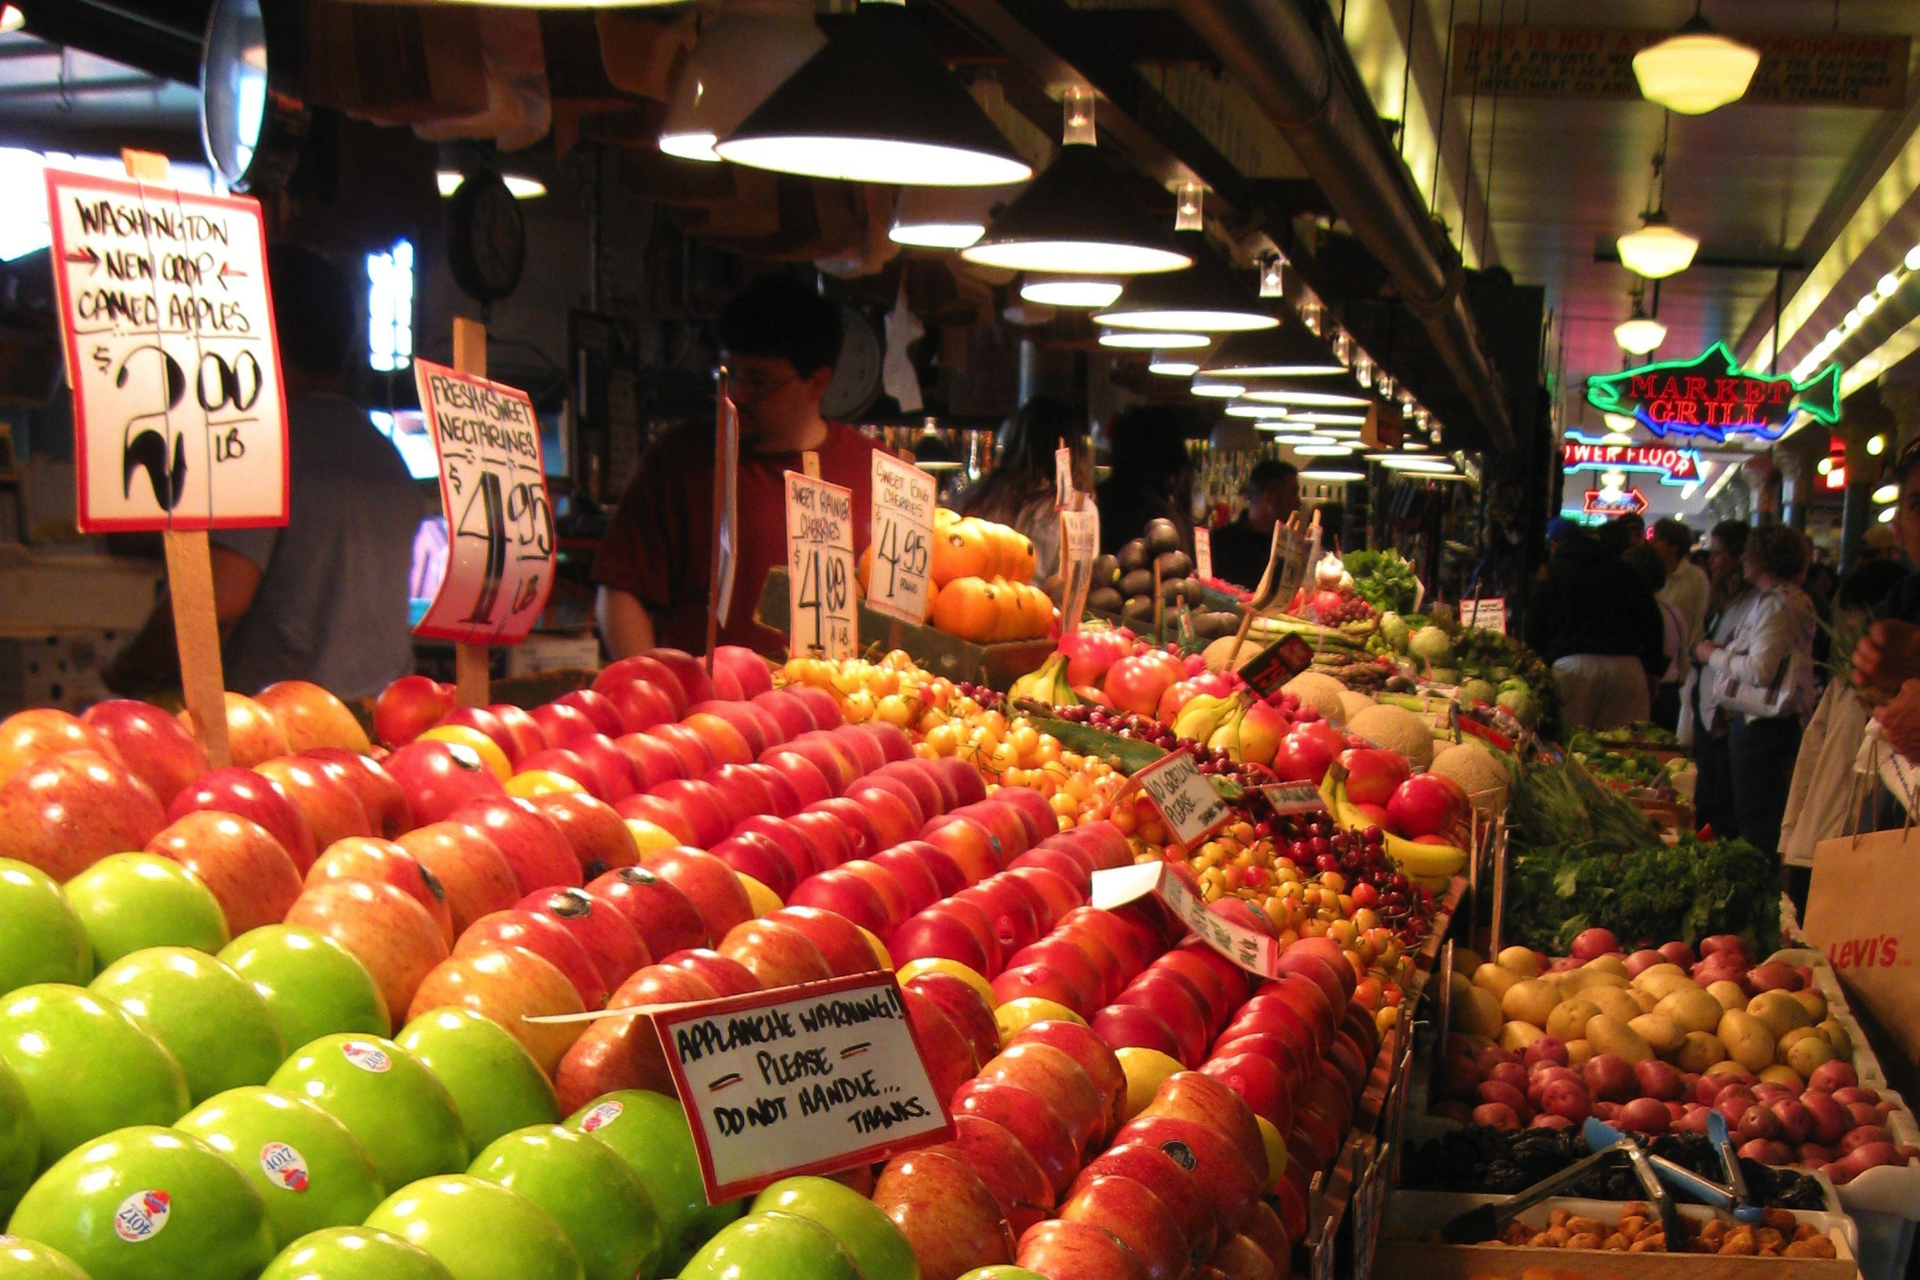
x=330, y=807
x=1219, y=1170
x=1008, y=909
x=743, y=793
x=1064, y=863
x=1040, y=1129
x=1022, y=1190
x=595, y=831
x=912, y=874
x=484, y=721
x=845, y=893
x=690, y=671
x=701, y=807
x=965, y=1005
x=560, y=723
x=644, y=667
x=522, y=728
x=597, y=708
x=868, y=755
x=789, y=710
x=809, y=782
x=725, y=743
x=1137, y=1218
x=1214, y=1104
x=943, y=1050
x=1095, y=1059
x=624, y=1052
x=530, y=842
x=726, y=976
x=153, y=745
x=607, y=937
x=747, y=720
x=748, y=668
x=610, y=766
x=895, y=745
x=379, y=795
x=248, y=872
x=859, y=824
x=385, y=928
x=799, y=850
x=708, y=883
x=824, y=707
x=778, y=955
x=832, y=842
x=1057, y=953
x=1037, y=981
x=1006, y=824
x=947, y=874
x=468, y=866
x=937, y=932
x=409, y=707
x=640, y=704
x=830, y=758
x=64, y=812
x=1373, y=774
x=1174, y=1001
x=568, y=763
x=892, y=896
x=1077, y=1249
x=926, y=792
x=664, y=917
x=654, y=760
x=761, y=858
x=1056, y=1078
x=439, y=777
x=1217, y=1002
x=506, y=986
x=783, y=798
x=688, y=745
x=967, y=841
x=933, y=771
x=546, y=937
x=1169, y=1180
x=1431, y=804
x=838, y=939
x=1123, y=1026
x=894, y=812
x=371, y=858
x=948, y=1215
x=41, y=732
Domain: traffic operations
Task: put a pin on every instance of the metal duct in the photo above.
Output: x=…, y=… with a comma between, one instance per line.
x=1281, y=55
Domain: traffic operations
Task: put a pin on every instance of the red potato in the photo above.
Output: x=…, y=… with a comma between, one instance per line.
x=1796, y=1122
x=1496, y=1115
x=1547, y=1120
x=1549, y=1049
x=1593, y=943
x=1863, y=1136
x=1610, y=1077
x=1660, y=1080
x=1644, y=1115
x=1537, y=1085
x=1456, y=1077
x=1830, y=1120
x=1510, y=1073
x=1567, y=1098
x=1494, y=1091
x=1757, y=1122
x=1766, y=1151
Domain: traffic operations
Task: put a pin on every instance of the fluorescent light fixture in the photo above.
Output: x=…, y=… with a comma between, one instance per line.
x=1639, y=332
x=1657, y=250
x=1169, y=365
x=1203, y=386
x=1325, y=449
x=520, y=186
x=1332, y=475
x=1886, y=493
x=1290, y=350
x=1888, y=286
x=1205, y=296
x=1695, y=70
x=1886, y=517
x=1339, y=433
x=1400, y=462
x=754, y=46
x=1071, y=291
x=876, y=104
x=1127, y=340
x=1322, y=399
x=945, y=217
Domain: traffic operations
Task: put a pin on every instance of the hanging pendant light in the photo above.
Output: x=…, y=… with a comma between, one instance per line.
x=1173, y=364
x=1077, y=217
x=1657, y=250
x=1130, y=340
x=1216, y=389
x=1290, y=350
x=1205, y=297
x=1070, y=291
x=945, y=217
x=1306, y=399
x=1639, y=333
x=754, y=46
x=876, y=104
x=1695, y=70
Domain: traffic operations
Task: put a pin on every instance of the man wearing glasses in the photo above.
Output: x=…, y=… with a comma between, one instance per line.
x=778, y=340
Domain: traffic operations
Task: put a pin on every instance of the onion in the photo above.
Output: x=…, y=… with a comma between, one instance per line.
x=1645, y=1115
x=1496, y=1115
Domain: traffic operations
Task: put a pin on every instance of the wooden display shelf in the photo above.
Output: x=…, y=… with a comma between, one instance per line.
x=1418, y=1260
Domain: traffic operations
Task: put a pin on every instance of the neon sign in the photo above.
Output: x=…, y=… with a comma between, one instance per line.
x=1630, y=502
x=1674, y=466
x=1712, y=396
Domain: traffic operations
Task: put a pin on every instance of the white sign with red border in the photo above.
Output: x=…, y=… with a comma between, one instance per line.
x=180, y=420
x=1185, y=797
x=1488, y=615
x=1203, y=553
x=493, y=488
x=1255, y=952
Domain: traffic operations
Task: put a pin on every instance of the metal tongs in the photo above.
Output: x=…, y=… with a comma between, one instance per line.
x=1485, y=1221
x=1730, y=1198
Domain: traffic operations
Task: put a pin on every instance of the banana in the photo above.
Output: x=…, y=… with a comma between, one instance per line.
x=1202, y=715
x=1419, y=862
x=1227, y=736
x=1048, y=684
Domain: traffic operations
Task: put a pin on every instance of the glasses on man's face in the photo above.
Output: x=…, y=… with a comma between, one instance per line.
x=754, y=383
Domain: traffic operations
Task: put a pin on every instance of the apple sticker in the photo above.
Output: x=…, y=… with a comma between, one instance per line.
x=142, y=1216
x=367, y=1057
x=601, y=1116
x=284, y=1166
x=1181, y=1153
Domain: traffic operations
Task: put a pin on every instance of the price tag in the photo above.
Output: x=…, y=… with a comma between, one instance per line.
x=1287, y=562
x=1268, y=671
x=1079, y=546
x=179, y=416
x=493, y=487
x=1203, y=552
x=810, y=1079
x=1294, y=797
x=1488, y=615
x=1063, y=478
x=1193, y=810
x=902, y=541
x=820, y=566
x=1254, y=952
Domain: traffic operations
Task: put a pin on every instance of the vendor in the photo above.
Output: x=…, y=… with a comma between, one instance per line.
x=778, y=340
x=1242, y=547
x=1150, y=477
x=1598, y=626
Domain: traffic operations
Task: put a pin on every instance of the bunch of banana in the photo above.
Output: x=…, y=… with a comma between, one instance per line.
x=1048, y=684
x=1430, y=866
x=1226, y=735
x=1204, y=713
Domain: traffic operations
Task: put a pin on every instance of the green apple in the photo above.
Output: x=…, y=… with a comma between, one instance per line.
x=386, y=1098
x=650, y=1132
x=877, y=1246
x=146, y=1203
x=41, y=937
x=314, y=986
x=309, y=1170
x=87, y=1067
x=132, y=900
x=19, y=1142
x=496, y=1085
x=31, y=1260
x=774, y=1244
x=590, y=1192
x=479, y=1230
x=354, y=1253
x=211, y=1019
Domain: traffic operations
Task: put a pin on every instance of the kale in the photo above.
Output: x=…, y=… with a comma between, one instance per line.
x=1691, y=890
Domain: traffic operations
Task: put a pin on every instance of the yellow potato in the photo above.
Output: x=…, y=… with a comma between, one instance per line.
x=1477, y=1012
x=1522, y=960
x=1645, y=999
x=1837, y=1036
x=1615, y=1002
x=1568, y=1021
x=1808, y=1052
x=1730, y=994
x=1783, y=1075
x=1814, y=1003
x=1662, y=979
x=1724, y=1067
x=1748, y=1041
x=1529, y=1000
x=1516, y=1036
x=1578, y=1051
x=1700, y=1051
x=1609, y=1034
x=1608, y=964
x=1662, y=1034
x=1779, y=1012
x=1466, y=960
x=1577, y=981
x=1693, y=1009
x=1491, y=977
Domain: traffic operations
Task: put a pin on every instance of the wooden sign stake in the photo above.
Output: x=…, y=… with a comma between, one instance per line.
x=721, y=392
x=471, y=676
x=196, y=624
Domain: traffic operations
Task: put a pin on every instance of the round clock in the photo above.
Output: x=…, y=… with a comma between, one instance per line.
x=486, y=237
x=856, y=374
x=252, y=120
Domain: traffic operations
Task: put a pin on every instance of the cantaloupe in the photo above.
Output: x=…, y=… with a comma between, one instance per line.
x=1396, y=729
x=1320, y=692
x=1479, y=772
x=1353, y=702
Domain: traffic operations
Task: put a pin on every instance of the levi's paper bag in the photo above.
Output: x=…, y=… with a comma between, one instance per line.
x=1861, y=913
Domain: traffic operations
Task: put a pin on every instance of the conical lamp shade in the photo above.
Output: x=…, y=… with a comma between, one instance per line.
x=1205, y=297
x=876, y=105
x=749, y=50
x=1077, y=218
x=1288, y=351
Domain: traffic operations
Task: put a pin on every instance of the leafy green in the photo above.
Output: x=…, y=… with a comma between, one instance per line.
x=1382, y=579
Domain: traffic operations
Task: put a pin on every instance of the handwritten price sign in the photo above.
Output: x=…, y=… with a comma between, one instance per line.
x=493, y=487
x=808, y=1079
x=820, y=567
x=1488, y=615
x=1254, y=952
x=179, y=417
x=1079, y=546
x=902, y=539
x=1193, y=810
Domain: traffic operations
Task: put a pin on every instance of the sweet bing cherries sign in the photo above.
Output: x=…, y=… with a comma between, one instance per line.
x=1712, y=396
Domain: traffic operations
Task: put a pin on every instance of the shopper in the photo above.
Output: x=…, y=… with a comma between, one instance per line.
x=1598, y=626
x=778, y=339
x=1647, y=562
x=1726, y=549
x=1150, y=477
x=1242, y=546
x=1687, y=586
x=1703, y=727
x=325, y=598
x=1763, y=677
x=1021, y=490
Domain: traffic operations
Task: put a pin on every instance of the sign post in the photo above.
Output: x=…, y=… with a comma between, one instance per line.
x=726, y=511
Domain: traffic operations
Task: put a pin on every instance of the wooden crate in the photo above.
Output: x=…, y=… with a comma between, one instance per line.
x=1402, y=1259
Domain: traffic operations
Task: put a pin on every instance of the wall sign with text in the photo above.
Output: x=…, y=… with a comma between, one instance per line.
x=493, y=488
x=902, y=540
x=179, y=415
x=1712, y=396
x=820, y=567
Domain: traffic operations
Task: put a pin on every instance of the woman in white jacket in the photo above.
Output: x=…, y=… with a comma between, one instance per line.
x=1764, y=678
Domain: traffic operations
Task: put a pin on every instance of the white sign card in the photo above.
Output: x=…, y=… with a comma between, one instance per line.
x=1203, y=552
x=820, y=568
x=1254, y=952
x=180, y=418
x=1489, y=614
x=902, y=541
x=1063, y=478
x=493, y=487
x=810, y=1079
x=1193, y=810
x=1079, y=546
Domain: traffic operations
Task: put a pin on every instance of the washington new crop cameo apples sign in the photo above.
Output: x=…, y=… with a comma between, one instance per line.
x=179, y=418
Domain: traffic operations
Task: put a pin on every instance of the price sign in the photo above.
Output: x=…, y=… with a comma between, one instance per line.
x=1254, y=952
x=1268, y=671
x=1294, y=797
x=1203, y=552
x=493, y=487
x=1287, y=561
x=800, y=1080
x=179, y=417
x=1193, y=810
x=1063, y=478
x=1488, y=615
x=902, y=541
x=1079, y=546
x=820, y=566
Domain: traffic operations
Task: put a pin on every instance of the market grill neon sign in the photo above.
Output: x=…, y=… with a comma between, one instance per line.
x=1674, y=466
x=1712, y=396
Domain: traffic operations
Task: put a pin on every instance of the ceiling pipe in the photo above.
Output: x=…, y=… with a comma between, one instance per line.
x=1282, y=56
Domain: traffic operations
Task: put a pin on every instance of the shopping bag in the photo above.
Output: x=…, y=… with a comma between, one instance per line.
x=1861, y=913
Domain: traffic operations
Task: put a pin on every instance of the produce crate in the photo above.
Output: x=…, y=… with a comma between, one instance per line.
x=995, y=665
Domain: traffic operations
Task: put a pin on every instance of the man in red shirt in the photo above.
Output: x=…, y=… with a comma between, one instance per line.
x=779, y=340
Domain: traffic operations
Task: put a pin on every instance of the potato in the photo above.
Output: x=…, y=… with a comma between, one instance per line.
x=1731, y=995
x=1615, y=1002
x=1814, y=1003
x=1578, y=981
x=1466, y=960
x=1662, y=1034
x=1516, y=1036
x=1655, y=973
x=1645, y=999
x=1693, y=1009
x=1783, y=1075
x=1529, y=1000
x=1568, y=1021
x=1837, y=1036
x=1699, y=1051
x=1477, y=1011
x=1521, y=960
x=1779, y=1012
x=1609, y=963
x=1609, y=1034
x=1725, y=1067
x=1806, y=1053
x=1491, y=977
x=1578, y=1051
x=1748, y=1041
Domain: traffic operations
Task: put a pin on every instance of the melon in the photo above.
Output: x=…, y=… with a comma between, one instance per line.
x=1321, y=693
x=1478, y=770
x=1224, y=655
x=1396, y=729
x=1353, y=702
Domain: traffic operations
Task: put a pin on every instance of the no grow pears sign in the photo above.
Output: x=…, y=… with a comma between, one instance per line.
x=1712, y=396
x=179, y=417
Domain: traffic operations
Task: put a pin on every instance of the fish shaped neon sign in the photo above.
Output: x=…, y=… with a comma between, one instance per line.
x=1712, y=396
